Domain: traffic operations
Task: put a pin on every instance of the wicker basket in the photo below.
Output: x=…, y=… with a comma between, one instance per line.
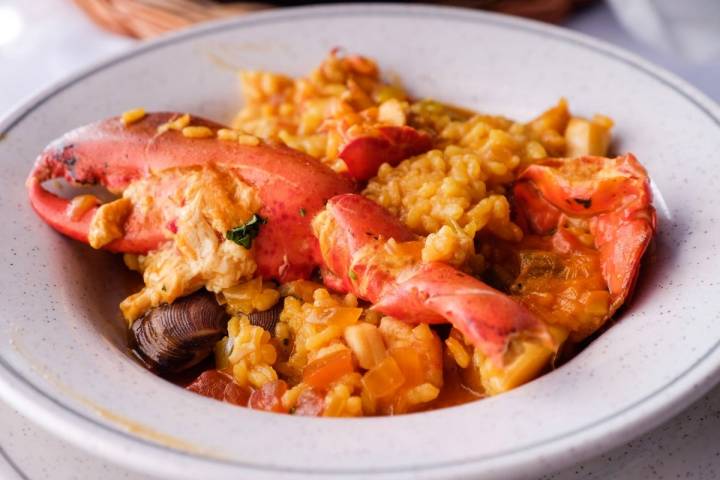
x=148, y=18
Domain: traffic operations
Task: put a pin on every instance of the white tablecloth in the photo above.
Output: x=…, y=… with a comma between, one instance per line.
x=43, y=40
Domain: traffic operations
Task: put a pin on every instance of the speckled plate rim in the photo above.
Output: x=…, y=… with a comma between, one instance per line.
x=552, y=454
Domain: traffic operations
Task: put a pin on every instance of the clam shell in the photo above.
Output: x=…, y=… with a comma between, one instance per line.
x=172, y=338
x=267, y=319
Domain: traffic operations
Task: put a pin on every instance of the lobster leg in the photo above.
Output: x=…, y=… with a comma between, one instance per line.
x=364, y=153
x=375, y=257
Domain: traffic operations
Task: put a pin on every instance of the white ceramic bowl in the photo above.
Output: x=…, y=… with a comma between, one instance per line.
x=62, y=356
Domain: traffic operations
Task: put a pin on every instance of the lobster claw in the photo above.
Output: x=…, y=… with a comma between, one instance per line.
x=611, y=194
x=56, y=212
x=106, y=153
x=363, y=154
x=292, y=186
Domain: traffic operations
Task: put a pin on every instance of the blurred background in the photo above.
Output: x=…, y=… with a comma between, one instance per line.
x=44, y=40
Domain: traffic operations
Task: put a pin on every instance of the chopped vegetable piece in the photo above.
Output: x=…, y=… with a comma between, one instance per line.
x=236, y=394
x=384, y=379
x=321, y=372
x=410, y=363
x=310, y=404
x=244, y=234
x=211, y=383
x=366, y=343
x=268, y=397
x=588, y=137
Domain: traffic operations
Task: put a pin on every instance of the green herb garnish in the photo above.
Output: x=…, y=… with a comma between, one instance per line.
x=302, y=212
x=244, y=234
x=352, y=275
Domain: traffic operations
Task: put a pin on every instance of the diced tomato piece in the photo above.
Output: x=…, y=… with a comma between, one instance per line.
x=268, y=397
x=383, y=379
x=236, y=394
x=211, y=383
x=322, y=372
x=410, y=364
x=310, y=403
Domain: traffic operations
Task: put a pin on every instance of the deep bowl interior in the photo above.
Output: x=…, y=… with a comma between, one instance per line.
x=62, y=345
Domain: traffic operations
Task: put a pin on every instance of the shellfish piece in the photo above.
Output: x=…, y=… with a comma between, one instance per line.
x=267, y=319
x=612, y=194
x=172, y=338
x=367, y=252
x=364, y=154
x=292, y=186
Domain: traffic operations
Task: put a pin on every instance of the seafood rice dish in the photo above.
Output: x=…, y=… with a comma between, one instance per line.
x=344, y=248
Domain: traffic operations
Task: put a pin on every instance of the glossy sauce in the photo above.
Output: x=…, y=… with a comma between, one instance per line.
x=558, y=277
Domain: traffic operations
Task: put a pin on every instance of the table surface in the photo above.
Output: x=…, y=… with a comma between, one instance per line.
x=46, y=49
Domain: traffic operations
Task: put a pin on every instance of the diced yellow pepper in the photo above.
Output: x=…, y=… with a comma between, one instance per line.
x=366, y=343
x=384, y=379
x=585, y=137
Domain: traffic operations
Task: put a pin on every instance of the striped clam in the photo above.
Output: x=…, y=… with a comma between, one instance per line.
x=172, y=338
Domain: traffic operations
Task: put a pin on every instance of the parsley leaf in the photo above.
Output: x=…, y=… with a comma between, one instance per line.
x=302, y=212
x=244, y=234
x=352, y=275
